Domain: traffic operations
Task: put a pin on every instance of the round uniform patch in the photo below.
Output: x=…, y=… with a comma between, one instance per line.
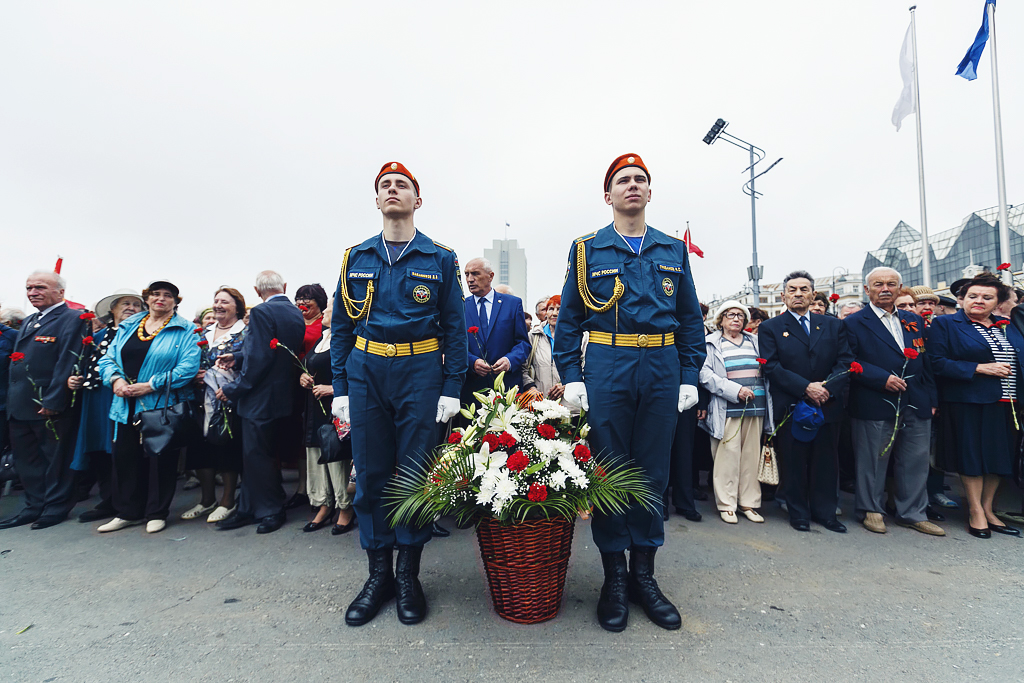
x=421, y=294
x=668, y=286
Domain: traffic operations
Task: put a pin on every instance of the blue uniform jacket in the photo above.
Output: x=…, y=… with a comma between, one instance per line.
x=659, y=298
x=507, y=335
x=875, y=349
x=956, y=348
x=419, y=297
x=51, y=346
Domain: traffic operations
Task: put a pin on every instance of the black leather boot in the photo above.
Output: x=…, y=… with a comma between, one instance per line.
x=643, y=589
x=378, y=589
x=410, y=603
x=613, y=606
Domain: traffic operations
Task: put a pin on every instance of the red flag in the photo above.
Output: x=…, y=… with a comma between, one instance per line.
x=60, y=262
x=690, y=246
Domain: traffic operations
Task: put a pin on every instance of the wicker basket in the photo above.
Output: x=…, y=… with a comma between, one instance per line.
x=526, y=565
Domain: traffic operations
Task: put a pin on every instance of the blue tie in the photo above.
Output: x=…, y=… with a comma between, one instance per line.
x=483, y=318
x=806, y=325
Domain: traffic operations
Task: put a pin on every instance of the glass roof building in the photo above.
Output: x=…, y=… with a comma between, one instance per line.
x=974, y=242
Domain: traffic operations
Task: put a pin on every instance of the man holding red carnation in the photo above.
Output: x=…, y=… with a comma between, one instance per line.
x=631, y=288
x=891, y=406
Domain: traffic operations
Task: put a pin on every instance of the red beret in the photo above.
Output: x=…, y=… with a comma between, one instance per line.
x=395, y=167
x=622, y=162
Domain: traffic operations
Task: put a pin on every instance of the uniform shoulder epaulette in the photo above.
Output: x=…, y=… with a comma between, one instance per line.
x=586, y=237
x=445, y=247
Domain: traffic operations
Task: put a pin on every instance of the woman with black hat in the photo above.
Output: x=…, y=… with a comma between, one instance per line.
x=152, y=352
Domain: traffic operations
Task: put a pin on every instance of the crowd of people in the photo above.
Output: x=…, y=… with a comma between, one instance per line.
x=882, y=399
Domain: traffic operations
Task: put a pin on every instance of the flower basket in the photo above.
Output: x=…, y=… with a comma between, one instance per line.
x=526, y=565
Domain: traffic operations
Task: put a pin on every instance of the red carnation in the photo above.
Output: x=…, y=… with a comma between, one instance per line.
x=856, y=368
x=473, y=330
x=274, y=343
x=599, y=471
x=202, y=342
x=88, y=315
x=456, y=437
x=833, y=297
x=581, y=453
x=762, y=361
x=1004, y=266
x=198, y=330
x=538, y=493
x=546, y=431
x=491, y=440
x=911, y=354
x=86, y=341
x=303, y=308
x=517, y=462
x=1001, y=323
x=506, y=440
x=16, y=356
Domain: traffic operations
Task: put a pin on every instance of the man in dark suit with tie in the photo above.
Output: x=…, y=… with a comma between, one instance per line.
x=804, y=353
x=889, y=345
x=502, y=340
x=262, y=395
x=42, y=422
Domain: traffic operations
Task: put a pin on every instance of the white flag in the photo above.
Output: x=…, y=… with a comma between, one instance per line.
x=905, y=104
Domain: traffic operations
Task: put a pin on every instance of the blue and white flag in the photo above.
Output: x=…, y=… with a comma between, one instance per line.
x=969, y=66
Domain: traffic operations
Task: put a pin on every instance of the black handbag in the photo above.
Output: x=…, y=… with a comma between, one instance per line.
x=168, y=428
x=332, y=449
x=223, y=425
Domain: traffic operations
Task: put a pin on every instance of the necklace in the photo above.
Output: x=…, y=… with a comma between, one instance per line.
x=141, y=332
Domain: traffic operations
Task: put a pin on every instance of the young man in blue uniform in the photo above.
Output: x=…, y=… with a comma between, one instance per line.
x=398, y=351
x=630, y=287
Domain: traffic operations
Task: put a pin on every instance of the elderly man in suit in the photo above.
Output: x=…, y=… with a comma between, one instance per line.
x=262, y=395
x=808, y=360
x=889, y=345
x=501, y=342
x=42, y=423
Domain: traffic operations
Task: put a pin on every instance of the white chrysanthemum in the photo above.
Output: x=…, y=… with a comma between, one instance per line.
x=505, y=489
x=485, y=496
x=581, y=480
x=557, y=480
x=569, y=466
x=551, y=410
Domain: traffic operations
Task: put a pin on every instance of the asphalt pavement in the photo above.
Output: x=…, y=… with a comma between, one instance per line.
x=760, y=602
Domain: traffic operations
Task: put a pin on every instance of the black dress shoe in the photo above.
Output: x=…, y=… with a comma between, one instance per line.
x=271, y=523
x=297, y=501
x=613, y=605
x=378, y=589
x=316, y=526
x=95, y=515
x=410, y=603
x=998, y=528
x=832, y=525
x=18, y=520
x=339, y=529
x=933, y=514
x=643, y=589
x=691, y=515
x=979, y=533
x=438, y=531
x=800, y=524
x=45, y=522
x=235, y=520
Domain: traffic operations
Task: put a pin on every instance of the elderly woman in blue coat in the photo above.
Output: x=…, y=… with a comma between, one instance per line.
x=740, y=410
x=150, y=351
x=976, y=357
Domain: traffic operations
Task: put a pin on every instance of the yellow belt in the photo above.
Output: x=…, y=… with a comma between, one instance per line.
x=635, y=340
x=392, y=350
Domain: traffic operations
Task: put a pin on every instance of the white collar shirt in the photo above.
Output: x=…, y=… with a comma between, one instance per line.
x=891, y=321
x=488, y=300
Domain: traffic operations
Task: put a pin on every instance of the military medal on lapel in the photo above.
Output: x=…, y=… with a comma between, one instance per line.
x=421, y=294
x=785, y=334
x=667, y=285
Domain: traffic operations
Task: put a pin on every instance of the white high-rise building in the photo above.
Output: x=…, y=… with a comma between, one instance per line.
x=509, y=263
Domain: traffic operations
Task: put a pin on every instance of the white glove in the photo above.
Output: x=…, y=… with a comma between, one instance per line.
x=339, y=408
x=576, y=395
x=687, y=397
x=447, y=408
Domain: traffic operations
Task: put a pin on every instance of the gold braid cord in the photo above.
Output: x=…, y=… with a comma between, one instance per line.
x=589, y=300
x=356, y=310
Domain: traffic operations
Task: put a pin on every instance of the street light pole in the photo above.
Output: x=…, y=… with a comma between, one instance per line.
x=757, y=155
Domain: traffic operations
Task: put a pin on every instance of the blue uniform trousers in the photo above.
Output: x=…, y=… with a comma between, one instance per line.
x=393, y=404
x=633, y=396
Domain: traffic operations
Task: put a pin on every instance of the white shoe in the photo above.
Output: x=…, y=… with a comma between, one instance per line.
x=116, y=524
x=729, y=517
x=198, y=511
x=752, y=515
x=155, y=525
x=220, y=513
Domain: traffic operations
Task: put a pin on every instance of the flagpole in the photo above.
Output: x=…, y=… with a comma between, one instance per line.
x=926, y=265
x=1004, y=223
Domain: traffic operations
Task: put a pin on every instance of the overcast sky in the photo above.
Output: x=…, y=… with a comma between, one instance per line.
x=203, y=142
